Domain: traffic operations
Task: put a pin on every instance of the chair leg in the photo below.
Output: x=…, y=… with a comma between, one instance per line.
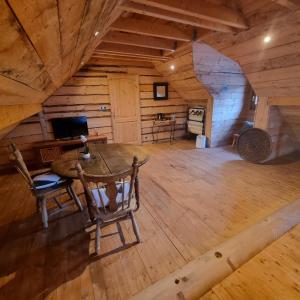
x=135, y=227
x=57, y=202
x=43, y=202
x=74, y=197
x=37, y=205
x=98, y=237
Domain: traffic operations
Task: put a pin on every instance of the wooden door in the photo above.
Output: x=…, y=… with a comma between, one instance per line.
x=125, y=108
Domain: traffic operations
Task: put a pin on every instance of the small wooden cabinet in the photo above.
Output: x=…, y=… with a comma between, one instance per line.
x=52, y=150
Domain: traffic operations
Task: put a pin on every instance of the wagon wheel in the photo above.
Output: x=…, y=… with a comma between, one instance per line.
x=254, y=145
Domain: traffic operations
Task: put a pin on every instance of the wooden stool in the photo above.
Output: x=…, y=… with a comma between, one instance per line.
x=235, y=139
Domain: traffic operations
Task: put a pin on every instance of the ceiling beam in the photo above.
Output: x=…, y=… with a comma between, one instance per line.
x=100, y=54
x=139, y=40
x=172, y=16
x=130, y=50
x=200, y=9
x=156, y=29
x=119, y=61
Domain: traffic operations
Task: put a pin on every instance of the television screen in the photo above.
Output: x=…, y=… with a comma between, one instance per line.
x=64, y=128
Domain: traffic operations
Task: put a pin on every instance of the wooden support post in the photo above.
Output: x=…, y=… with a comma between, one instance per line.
x=43, y=126
x=208, y=119
x=198, y=276
x=261, y=118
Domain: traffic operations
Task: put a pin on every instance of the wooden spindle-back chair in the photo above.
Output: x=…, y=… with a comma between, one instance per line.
x=42, y=195
x=111, y=198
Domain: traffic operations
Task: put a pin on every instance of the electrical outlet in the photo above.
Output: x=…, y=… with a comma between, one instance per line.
x=102, y=108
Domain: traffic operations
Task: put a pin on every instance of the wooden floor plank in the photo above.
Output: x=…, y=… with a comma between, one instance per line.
x=192, y=200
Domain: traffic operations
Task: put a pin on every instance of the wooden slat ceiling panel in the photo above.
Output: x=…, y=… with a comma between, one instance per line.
x=108, y=15
x=138, y=40
x=39, y=20
x=152, y=27
x=19, y=60
x=205, y=11
x=89, y=21
x=70, y=18
x=173, y=16
x=13, y=92
x=42, y=44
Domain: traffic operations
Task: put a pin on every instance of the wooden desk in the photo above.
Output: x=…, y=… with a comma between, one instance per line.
x=163, y=123
x=52, y=150
x=105, y=159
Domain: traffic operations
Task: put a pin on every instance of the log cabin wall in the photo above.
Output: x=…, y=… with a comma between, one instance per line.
x=285, y=138
x=183, y=78
x=272, y=67
x=85, y=93
x=180, y=73
x=291, y=118
x=230, y=90
x=281, y=118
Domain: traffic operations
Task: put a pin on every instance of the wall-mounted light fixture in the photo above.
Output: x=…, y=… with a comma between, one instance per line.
x=267, y=39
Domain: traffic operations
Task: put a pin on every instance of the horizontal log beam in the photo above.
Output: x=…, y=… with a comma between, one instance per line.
x=172, y=16
x=139, y=40
x=198, y=276
x=156, y=29
x=132, y=56
x=130, y=50
x=200, y=9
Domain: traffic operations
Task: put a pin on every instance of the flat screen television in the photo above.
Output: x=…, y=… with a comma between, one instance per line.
x=69, y=128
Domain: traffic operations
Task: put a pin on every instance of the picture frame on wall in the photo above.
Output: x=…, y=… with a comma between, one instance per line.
x=160, y=90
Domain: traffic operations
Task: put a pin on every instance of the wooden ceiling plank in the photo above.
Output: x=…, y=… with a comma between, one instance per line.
x=173, y=16
x=89, y=20
x=19, y=59
x=128, y=49
x=156, y=29
x=139, y=40
x=100, y=55
x=109, y=15
x=202, y=10
x=291, y=4
x=13, y=92
x=11, y=114
x=40, y=21
x=125, y=50
x=118, y=61
x=70, y=16
x=134, y=56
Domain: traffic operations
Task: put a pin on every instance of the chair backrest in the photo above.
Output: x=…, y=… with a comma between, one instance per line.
x=17, y=159
x=113, y=183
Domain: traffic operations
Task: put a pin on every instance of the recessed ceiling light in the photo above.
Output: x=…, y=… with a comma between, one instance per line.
x=267, y=39
x=172, y=67
x=96, y=33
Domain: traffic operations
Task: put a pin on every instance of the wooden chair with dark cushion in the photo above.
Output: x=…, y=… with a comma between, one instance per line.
x=111, y=198
x=44, y=185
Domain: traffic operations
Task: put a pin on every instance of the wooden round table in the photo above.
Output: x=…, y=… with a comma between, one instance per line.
x=105, y=159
